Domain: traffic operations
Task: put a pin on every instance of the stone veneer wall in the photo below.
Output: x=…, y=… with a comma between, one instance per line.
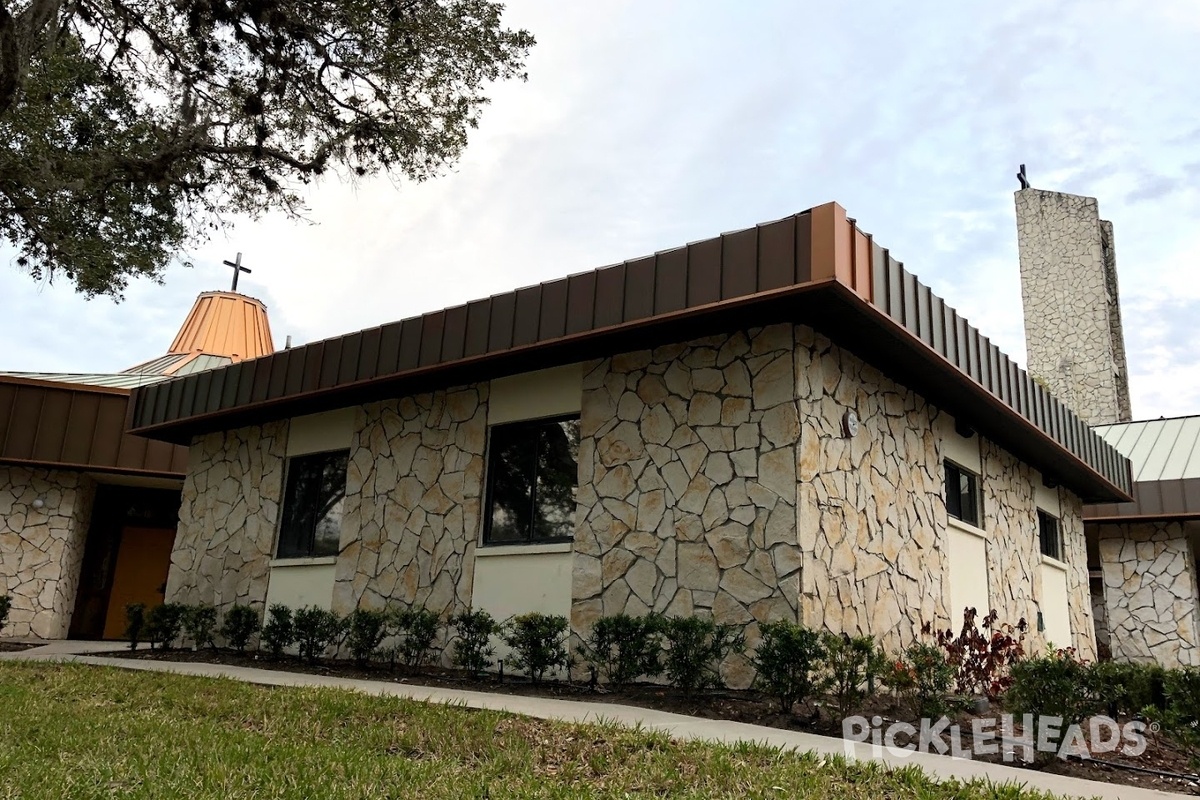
x=1073, y=329
x=414, y=489
x=687, y=483
x=1079, y=588
x=872, y=511
x=1151, y=591
x=715, y=477
x=41, y=550
x=1014, y=549
x=231, y=498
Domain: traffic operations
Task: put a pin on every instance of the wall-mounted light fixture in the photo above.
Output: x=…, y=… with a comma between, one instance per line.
x=850, y=423
x=39, y=503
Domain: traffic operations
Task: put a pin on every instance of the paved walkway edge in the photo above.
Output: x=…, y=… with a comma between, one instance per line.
x=675, y=725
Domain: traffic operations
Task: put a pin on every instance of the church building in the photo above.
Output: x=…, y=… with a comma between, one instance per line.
x=88, y=512
x=780, y=422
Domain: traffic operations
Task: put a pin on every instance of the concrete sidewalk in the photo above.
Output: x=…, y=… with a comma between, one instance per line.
x=675, y=725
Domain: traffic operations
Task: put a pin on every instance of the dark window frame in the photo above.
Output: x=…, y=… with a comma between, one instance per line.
x=485, y=539
x=298, y=553
x=954, y=500
x=1054, y=534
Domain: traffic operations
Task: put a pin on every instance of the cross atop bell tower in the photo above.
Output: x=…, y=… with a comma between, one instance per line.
x=237, y=270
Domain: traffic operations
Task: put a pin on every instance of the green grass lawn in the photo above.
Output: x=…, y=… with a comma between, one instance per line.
x=87, y=732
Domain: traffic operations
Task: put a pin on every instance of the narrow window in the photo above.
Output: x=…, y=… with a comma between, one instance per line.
x=1049, y=534
x=312, y=505
x=962, y=494
x=533, y=477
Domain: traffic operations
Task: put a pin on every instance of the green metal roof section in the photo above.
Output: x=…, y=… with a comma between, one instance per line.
x=1158, y=449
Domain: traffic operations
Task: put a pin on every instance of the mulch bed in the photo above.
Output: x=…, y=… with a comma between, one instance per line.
x=738, y=706
x=16, y=647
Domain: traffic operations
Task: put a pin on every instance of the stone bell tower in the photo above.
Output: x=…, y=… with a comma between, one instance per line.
x=1074, y=340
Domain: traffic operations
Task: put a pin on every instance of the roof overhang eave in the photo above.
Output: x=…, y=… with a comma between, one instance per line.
x=829, y=306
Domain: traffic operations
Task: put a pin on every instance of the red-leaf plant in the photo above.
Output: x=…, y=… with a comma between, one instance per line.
x=981, y=654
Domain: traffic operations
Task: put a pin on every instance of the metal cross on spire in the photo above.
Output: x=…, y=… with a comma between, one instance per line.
x=237, y=270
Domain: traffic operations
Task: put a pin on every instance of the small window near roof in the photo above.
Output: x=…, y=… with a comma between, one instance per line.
x=962, y=494
x=1050, y=535
x=533, y=477
x=311, y=524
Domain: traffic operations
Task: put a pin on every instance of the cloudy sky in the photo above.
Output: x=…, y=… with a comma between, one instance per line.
x=645, y=125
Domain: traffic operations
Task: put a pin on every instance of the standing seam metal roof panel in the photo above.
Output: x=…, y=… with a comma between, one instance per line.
x=1159, y=449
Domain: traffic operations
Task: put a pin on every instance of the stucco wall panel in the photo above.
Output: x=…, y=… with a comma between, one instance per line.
x=302, y=584
x=520, y=582
x=531, y=395
x=317, y=433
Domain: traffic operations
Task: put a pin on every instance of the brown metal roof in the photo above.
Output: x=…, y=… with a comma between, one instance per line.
x=70, y=426
x=816, y=267
x=1152, y=500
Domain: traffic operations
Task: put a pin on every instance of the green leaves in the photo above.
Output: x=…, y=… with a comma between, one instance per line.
x=538, y=643
x=788, y=662
x=624, y=648
x=696, y=646
x=139, y=126
x=240, y=623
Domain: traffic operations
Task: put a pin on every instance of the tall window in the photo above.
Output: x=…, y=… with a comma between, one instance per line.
x=962, y=494
x=533, y=476
x=312, y=505
x=1048, y=533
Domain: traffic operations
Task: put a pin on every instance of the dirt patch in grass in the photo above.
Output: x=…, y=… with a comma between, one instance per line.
x=1162, y=754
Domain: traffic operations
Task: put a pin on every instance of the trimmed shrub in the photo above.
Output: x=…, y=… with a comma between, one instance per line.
x=696, y=646
x=1181, y=688
x=200, y=621
x=623, y=648
x=851, y=666
x=473, y=649
x=240, y=623
x=788, y=662
x=924, y=676
x=1054, y=685
x=366, y=631
x=135, y=623
x=1128, y=689
x=5, y=606
x=278, y=633
x=538, y=642
x=317, y=629
x=417, y=628
x=164, y=623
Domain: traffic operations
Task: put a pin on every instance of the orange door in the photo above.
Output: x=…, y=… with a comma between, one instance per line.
x=140, y=576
